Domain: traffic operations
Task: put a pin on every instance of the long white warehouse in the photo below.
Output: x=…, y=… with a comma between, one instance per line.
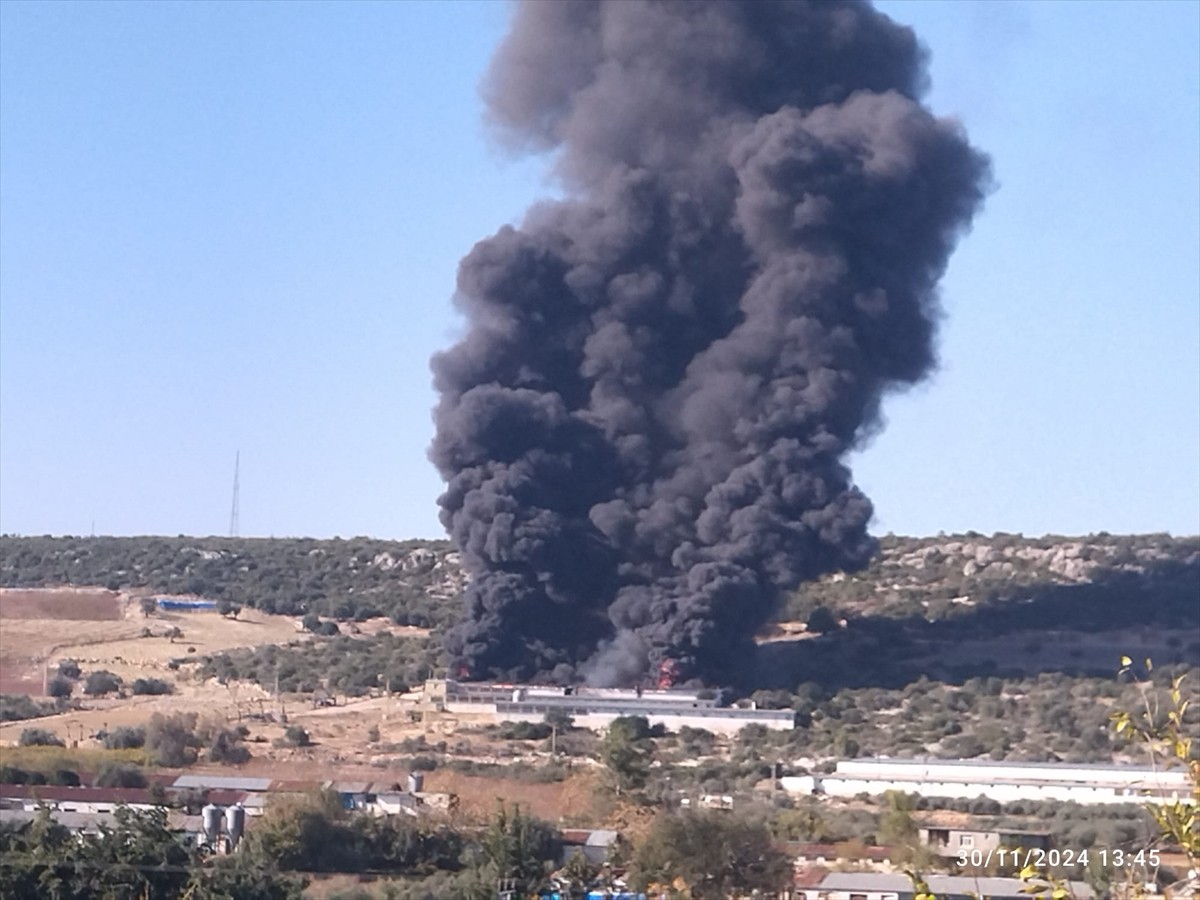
x=597, y=707
x=1003, y=782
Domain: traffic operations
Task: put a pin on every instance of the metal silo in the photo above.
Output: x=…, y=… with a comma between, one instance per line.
x=235, y=824
x=211, y=817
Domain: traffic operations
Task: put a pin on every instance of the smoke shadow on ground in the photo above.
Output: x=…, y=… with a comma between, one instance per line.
x=1079, y=629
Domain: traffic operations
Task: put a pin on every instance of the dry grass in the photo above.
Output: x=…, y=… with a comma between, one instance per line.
x=50, y=759
x=479, y=796
x=31, y=646
x=78, y=604
x=344, y=887
x=116, y=644
x=25, y=644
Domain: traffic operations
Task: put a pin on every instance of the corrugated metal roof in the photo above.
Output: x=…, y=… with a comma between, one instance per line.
x=351, y=787
x=295, y=786
x=73, y=820
x=810, y=876
x=77, y=821
x=589, y=837
x=223, y=782
x=182, y=822
x=60, y=794
x=938, y=763
x=226, y=798
x=938, y=884
x=832, y=851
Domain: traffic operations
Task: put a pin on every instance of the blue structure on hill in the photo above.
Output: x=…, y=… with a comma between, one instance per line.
x=186, y=605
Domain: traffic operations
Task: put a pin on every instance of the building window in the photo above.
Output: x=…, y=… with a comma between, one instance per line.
x=966, y=840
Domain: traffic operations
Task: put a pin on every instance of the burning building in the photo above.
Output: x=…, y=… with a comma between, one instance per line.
x=596, y=708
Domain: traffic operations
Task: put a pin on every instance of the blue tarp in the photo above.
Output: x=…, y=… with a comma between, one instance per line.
x=164, y=603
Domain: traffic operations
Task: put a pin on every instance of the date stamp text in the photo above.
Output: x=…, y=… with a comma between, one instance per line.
x=1038, y=858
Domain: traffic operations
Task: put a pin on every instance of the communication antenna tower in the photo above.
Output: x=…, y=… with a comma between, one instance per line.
x=233, y=513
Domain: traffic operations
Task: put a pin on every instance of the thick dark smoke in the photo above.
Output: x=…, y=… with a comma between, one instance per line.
x=643, y=429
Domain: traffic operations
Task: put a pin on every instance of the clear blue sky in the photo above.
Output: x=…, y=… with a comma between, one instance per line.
x=235, y=226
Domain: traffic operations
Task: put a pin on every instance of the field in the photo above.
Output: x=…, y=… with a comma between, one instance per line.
x=73, y=604
x=106, y=630
x=103, y=630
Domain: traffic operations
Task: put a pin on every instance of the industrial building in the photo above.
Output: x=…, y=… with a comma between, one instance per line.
x=596, y=708
x=1003, y=782
x=882, y=886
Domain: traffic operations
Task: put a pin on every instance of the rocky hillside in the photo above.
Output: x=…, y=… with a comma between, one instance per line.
x=419, y=582
x=413, y=582
x=939, y=577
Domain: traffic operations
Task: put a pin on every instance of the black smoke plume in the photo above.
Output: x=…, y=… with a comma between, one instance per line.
x=643, y=429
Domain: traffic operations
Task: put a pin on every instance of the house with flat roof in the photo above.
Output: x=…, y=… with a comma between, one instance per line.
x=949, y=835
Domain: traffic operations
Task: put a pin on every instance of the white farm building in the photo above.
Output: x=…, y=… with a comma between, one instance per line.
x=1003, y=782
x=596, y=708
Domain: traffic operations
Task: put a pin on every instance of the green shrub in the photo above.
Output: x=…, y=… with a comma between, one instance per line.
x=227, y=747
x=100, y=683
x=69, y=668
x=39, y=737
x=294, y=736
x=125, y=738
x=152, y=686
x=525, y=731
x=118, y=775
x=16, y=707
x=172, y=740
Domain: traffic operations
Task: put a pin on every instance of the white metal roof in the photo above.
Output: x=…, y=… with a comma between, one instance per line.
x=222, y=782
x=938, y=884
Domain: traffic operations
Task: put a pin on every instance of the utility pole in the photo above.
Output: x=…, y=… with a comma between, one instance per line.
x=235, y=512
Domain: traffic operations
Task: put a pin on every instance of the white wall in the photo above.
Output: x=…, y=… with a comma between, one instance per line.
x=81, y=806
x=715, y=724
x=838, y=786
x=981, y=772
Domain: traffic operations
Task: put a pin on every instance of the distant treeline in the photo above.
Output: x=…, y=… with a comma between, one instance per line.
x=983, y=583
x=412, y=582
x=353, y=666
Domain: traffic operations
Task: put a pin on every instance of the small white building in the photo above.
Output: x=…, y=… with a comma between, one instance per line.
x=594, y=844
